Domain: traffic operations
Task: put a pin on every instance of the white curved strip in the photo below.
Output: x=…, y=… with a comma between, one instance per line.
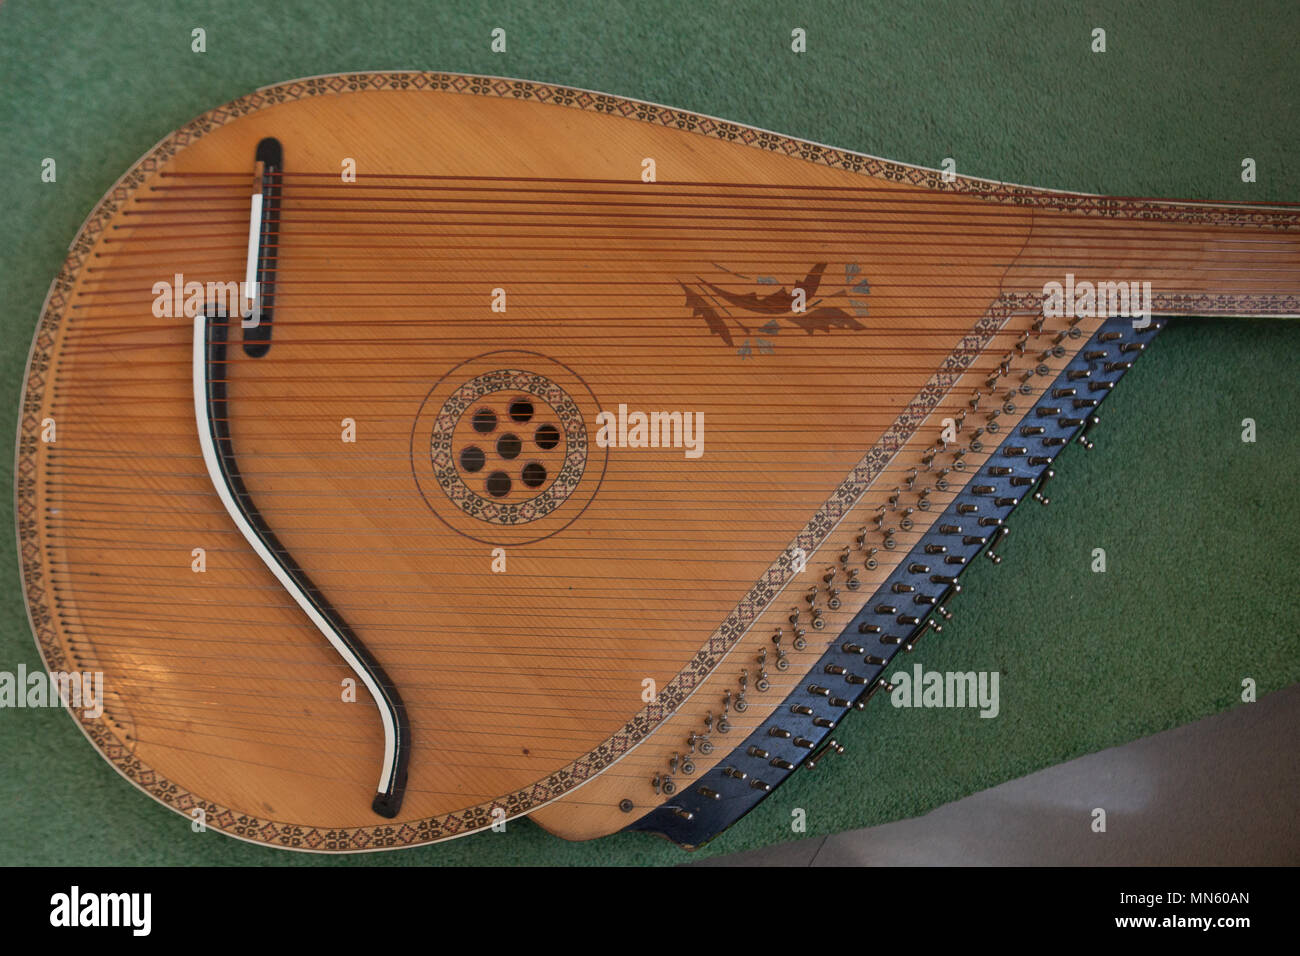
x=250, y=535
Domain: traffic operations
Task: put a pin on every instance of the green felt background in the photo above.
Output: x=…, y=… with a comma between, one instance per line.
x=1200, y=529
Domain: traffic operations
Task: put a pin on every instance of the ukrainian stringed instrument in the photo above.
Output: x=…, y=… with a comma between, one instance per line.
x=415, y=451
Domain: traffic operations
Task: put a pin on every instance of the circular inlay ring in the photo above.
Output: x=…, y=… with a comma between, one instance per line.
x=469, y=397
x=500, y=448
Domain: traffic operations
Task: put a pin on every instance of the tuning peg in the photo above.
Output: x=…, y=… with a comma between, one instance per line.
x=996, y=540
x=830, y=747
x=870, y=692
x=1084, y=440
x=1041, y=498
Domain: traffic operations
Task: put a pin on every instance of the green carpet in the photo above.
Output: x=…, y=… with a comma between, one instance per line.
x=1199, y=528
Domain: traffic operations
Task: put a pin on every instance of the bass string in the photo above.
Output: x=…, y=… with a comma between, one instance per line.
x=767, y=225
x=897, y=293
x=279, y=175
x=352, y=241
x=695, y=346
x=804, y=220
x=306, y=202
x=1083, y=204
x=975, y=221
x=627, y=266
x=897, y=289
x=311, y=303
x=709, y=350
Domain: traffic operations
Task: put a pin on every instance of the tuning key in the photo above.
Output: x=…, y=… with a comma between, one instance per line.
x=831, y=746
x=1084, y=440
x=998, y=535
x=706, y=745
x=1041, y=498
x=916, y=636
x=882, y=684
x=663, y=783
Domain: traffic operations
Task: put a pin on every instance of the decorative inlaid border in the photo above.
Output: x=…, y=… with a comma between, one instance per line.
x=845, y=496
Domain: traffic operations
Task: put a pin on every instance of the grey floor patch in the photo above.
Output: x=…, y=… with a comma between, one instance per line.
x=1220, y=791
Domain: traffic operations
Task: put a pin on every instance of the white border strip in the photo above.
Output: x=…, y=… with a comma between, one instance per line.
x=254, y=250
x=210, y=459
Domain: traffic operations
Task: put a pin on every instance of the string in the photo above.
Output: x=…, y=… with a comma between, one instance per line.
x=92, y=594
x=280, y=176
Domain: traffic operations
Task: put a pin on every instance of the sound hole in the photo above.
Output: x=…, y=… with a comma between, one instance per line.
x=547, y=437
x=484, y=420
x=509, y=446
x=521, y=409
x=472, y=458
x=533, y=474
x=498, y=484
